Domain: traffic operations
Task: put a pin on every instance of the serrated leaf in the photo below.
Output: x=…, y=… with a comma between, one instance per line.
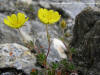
x=71, y=67
x=73, y=50
x=55, y=65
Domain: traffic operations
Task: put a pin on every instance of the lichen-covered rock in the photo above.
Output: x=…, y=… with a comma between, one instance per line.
x=86, y=40
x=15, y=55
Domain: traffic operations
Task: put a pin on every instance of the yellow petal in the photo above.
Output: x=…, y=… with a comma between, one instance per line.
x=57, y=16
x=21, y=18
x=6, y=21
x=25, y=20
x=40, y=13
x=14, y=19
x=10, y=20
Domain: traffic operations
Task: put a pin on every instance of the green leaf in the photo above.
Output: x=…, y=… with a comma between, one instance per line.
x=73, y=51
x=34, y=73
x=51, y=72
x=55, y=65
x=64, y=62
x=41, y=58
x=71, y=67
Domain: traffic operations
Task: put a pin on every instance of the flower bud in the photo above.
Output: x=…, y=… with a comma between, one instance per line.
x=67, y=34
x=63, y=24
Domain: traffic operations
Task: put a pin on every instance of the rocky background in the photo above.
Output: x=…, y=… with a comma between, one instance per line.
x=83, y=21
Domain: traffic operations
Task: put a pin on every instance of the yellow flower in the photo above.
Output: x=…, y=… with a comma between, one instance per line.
x=48, y=16
x=15, y=21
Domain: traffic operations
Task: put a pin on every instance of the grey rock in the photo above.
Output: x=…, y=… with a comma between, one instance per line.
x=7, y=5
x=57, y=0
x=86, y=40
x=73, y=8
x=57, y=51
x=97, y=2
x=25, y=1
x=18, y=56
x=90, y=3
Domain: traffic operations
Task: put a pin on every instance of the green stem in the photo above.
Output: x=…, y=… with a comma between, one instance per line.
x=48, y=37
x=68, y=51
x=23, y=39
x=63, y=33
x=67, y=47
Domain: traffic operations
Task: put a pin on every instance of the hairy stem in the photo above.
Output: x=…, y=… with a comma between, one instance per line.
x=67, y=47
x=68, y=51
x=23, y=39
x=63, y=33
x=48, y=37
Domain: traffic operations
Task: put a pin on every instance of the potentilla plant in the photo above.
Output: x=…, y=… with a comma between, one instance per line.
x=16, y=21
x=48, y=17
